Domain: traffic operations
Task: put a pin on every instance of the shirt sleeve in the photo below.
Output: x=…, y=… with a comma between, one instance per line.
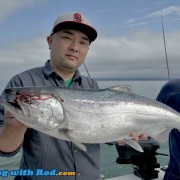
x=14, y=82
x=170, y=95
x=162, y=96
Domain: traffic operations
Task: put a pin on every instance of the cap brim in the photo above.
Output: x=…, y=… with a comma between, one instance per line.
x=88, y=30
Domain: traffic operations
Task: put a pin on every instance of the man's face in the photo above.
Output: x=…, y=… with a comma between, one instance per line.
x=68, y=49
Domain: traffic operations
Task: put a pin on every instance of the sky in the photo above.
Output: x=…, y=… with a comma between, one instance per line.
x=130, y=39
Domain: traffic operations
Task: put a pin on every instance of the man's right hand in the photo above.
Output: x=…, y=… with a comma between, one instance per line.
x=11, y=133
x=10, y=120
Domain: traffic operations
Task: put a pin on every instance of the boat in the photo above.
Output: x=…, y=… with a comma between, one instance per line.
x=145, y=164
x=134, y=177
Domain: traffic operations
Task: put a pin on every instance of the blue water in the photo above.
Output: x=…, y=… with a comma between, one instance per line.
x=109, y=168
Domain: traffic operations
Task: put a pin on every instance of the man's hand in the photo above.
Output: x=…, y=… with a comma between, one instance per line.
x=135, y=137
x=11, y=133
x=10, y=120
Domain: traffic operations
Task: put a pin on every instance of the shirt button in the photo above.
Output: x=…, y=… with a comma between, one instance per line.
x=75, y=150
x=79, y=174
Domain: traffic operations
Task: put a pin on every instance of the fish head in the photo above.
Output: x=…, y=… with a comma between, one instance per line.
x=29, y=90
x=41, y=110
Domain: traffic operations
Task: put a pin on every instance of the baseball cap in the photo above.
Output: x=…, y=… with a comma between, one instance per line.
x=76, y=21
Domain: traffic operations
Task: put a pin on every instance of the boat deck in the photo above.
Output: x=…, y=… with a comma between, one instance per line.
x=132, y=176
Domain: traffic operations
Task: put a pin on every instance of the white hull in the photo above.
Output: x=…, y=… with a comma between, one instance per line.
x=132, y=176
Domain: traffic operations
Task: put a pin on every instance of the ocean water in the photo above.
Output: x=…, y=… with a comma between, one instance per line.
x=109, y=167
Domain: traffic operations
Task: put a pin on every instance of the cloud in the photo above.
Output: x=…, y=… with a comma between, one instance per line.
x=8, y=7
x=138, y=55
x=166, y=11
x=19, y=56
x=155, y=17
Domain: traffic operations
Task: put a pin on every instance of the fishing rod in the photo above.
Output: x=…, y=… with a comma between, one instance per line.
x=86, y=69
x=167, y=65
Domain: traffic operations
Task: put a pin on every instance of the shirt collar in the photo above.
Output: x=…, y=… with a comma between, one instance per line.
x=48, y=71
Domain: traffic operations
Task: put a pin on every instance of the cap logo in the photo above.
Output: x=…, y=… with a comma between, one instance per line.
x=77, y=17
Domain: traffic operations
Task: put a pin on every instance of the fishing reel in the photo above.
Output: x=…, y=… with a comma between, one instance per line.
x=145, y=163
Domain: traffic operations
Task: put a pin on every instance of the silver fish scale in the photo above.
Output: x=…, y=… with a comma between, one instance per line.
x=99, y=116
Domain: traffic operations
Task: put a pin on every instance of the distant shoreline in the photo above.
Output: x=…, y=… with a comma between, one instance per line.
x=131, y=79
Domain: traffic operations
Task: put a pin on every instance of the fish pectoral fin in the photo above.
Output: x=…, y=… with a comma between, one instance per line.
x=65, y=123
x=78, y=144
x=133, y=144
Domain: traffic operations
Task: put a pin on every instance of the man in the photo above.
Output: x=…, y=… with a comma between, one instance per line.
x=69, y=43
x=170, y=95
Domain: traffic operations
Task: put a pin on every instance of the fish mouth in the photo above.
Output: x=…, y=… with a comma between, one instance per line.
x=10, y=106
x=11, y=93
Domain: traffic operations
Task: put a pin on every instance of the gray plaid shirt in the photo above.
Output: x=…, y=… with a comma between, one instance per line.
x=44, y=152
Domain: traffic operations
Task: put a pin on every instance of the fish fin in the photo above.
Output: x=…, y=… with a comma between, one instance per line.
x=133, y=144
x=65, y=123
x=78, y=144
x=163, y=135
x=122, y=88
